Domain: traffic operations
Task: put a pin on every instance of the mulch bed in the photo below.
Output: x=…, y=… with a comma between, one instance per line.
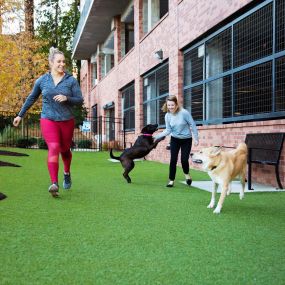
x=12, y=153
x=2, y=196
x=4, y=163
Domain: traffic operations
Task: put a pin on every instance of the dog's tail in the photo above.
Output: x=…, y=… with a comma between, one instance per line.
x=112, y=156
x=242, y=147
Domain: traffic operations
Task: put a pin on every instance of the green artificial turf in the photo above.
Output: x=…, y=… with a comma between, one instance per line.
x=106, y=231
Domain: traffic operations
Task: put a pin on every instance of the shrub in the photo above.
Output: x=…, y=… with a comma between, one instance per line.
x=9, y=135
x=85, y=144
x=42, y=143
x=112, y=144
x=105, y=146
x=25, y=142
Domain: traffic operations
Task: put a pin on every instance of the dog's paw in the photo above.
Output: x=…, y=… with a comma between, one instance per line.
x=241, y=196
x=156, y=141
x=211, y=205
x=217, y=210
x=127, y=178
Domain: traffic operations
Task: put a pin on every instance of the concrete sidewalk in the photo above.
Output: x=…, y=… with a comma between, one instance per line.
x=236, y=186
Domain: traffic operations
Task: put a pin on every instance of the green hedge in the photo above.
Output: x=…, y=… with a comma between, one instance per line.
x=85, y=144
x=42, y=144
x=25, y=143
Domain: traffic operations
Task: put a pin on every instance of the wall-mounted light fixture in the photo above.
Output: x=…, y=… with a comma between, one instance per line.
x=159, y=54
x=109, y=105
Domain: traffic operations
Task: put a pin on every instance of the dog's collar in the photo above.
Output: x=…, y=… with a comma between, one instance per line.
x=147, y=135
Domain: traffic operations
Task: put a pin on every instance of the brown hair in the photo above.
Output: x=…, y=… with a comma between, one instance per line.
x=171, y=98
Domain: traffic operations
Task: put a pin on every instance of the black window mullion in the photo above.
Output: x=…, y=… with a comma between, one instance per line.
x=128, y=94
x=160, y=80
x=256, y=75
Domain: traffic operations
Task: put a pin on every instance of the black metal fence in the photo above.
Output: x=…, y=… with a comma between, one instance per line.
x=94, y=133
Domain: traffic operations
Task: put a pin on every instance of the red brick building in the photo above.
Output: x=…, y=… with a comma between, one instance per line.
x=224, y=59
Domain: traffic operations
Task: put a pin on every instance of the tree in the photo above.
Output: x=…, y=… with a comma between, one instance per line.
x=21, y=63
x=29, y=16
x=9, y=71
x=58, y=27
x=23, y=57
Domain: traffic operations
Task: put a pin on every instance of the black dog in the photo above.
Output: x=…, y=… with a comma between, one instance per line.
x=143, y=146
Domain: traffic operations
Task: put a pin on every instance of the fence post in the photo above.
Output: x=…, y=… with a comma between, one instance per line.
x=22, y=128
x=27, y=127
x=124, y=131
x=100, y=133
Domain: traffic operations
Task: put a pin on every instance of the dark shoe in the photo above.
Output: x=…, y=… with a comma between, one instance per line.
x=189, y=181
x=67, y=181
x=53, y=190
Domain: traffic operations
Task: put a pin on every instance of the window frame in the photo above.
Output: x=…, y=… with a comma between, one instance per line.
x=158, y=98
x=273, y=57
x=129, y=108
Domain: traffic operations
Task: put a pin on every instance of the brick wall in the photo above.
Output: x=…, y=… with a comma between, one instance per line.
x=230, y=135
x=198, y=16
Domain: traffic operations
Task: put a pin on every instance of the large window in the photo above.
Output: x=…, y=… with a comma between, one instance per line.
x=129, y=37
x=108, y=54
x=94, y=79
x=237, y=73
x=128, y=97
x=127, y=29
x=155, y=90
x=153, y=11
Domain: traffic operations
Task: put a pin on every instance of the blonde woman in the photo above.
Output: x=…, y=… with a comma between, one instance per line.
x=181, y=126
x=60, y=91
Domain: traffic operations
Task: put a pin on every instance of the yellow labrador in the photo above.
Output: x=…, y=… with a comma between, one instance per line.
x=223, y=166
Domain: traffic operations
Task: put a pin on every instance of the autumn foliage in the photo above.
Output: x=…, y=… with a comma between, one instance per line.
x=21, y=63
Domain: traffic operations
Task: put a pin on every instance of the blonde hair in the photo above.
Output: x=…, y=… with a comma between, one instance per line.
x=52, y=52
x=171, y=98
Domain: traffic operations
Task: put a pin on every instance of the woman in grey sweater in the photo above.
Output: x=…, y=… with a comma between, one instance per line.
x=181, y=126
x=60, y=91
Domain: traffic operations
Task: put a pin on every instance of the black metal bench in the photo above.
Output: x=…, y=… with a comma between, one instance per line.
x=264, y=148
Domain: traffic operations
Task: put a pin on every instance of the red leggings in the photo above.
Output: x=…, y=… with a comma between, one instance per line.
x=58, y=136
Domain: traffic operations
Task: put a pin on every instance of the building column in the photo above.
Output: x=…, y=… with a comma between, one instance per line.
x=99, y=62
x=138, y=104
x=117, y=40
x=138, y=21
x=175, y=57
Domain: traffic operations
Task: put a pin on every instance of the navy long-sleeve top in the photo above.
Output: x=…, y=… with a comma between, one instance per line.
x=52, y=110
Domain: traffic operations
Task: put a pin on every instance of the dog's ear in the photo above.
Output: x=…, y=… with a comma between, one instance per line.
x=216, y=150
x=144, y=129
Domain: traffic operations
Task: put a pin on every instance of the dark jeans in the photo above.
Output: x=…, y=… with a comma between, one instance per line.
x=185, y=146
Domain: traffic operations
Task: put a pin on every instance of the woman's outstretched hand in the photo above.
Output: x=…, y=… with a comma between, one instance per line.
x=196, y=142
x=17, y=121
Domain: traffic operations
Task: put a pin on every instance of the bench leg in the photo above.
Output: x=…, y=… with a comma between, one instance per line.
x=277, y=177
x=249, y=177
